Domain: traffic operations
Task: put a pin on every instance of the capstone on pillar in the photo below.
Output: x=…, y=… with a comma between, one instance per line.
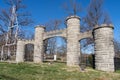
x=20, y=51
x=38, y=45
x=104, y=48
x=73, y=47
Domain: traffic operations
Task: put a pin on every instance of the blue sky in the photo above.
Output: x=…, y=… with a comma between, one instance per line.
x=45, y=10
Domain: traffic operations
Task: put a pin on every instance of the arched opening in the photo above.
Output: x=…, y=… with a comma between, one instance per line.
x=29, y=52
x=87, y=52
x=55, y=49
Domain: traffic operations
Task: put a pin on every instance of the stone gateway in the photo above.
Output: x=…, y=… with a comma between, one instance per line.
x=103, y=39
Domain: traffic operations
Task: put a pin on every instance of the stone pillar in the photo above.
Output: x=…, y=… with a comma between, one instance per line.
x=20, y=51
x=104, y=48
x=73, y=29
x=38, y=45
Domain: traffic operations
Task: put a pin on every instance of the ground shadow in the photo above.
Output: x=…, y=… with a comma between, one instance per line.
x=117, y=63
x=5, y=77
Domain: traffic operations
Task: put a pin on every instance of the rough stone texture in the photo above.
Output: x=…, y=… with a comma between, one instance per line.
x=104, y=48
x=20, y=51
x=73, y=29
x=38, y=44
x=84, y=35
x=103, y=36
x=50, y=34
x=28, y=42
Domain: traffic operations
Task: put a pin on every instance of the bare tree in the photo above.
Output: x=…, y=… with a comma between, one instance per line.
x=95, y=15
x=72, y=7
x=11, y=17
x=50, y=45
x=117, y=48
x=6, y=17
x=62, y=50
x=53, y=25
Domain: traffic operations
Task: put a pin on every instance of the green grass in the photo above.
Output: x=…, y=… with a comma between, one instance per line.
x=55, y=71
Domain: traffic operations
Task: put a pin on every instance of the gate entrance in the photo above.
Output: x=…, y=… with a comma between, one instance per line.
x=54, y=49
x=103, y=40
x=29, y=50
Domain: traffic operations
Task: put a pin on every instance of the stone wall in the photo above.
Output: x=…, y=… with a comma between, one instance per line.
x=73, y=47
x=104, y=48
x=20, y=51
x=50, y=34
x=38, y=45
x=103, y=37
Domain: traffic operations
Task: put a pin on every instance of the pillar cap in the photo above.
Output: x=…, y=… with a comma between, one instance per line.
x=103, y=26
x=40, y=26
x=73, y=16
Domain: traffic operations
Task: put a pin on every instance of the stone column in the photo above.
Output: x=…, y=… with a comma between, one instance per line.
x=20, y=51
x=38, y=45
x=73, y=29
x=104, y=48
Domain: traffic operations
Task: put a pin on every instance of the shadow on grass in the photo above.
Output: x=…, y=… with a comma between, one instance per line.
x=117, y=63
x=5, y=77
x=47, y=61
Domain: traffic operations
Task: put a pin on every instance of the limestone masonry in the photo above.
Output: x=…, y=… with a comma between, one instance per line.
x=103, y=38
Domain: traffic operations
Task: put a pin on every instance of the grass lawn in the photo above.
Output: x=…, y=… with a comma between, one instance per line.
x=55, y=71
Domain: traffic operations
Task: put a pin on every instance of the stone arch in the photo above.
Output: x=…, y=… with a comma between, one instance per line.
x=55, y=33
x=87, y=52
x=103, y=38
x=55, y=36
x=47, y=55
x=89, y=37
